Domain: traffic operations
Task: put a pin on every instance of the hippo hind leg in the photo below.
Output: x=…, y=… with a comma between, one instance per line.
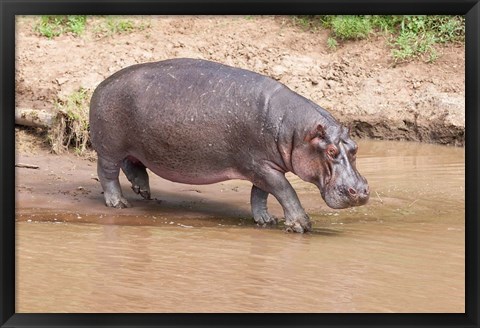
x=258, y=199
x=137, y=174
x=108, y=175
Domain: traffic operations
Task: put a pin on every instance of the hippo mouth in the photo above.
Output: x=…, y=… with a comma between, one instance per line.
x=339, y=196
x=344, y=197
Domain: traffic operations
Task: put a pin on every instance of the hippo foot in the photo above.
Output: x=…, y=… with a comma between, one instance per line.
x=301, y=225
x=265, y=219
x=142, y=192
x=117, y=202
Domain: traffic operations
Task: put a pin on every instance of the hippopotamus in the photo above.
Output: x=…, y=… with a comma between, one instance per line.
x=194, y=121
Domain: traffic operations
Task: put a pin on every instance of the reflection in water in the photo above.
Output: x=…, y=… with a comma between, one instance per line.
x=403, y=252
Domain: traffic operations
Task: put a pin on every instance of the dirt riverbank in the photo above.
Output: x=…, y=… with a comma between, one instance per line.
x=358, y=82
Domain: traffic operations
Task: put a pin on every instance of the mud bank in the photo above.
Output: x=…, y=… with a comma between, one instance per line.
x=358, y=82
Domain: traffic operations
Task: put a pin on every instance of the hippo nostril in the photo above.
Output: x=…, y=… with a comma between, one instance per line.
x=352, y=191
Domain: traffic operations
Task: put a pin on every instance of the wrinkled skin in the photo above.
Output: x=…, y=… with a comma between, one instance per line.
x=199, y=122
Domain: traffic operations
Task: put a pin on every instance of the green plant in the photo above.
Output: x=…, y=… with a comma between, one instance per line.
x=116, y=25
x=409, y=36
x=410, y=44
x=111, y=25
x=419, y=34
x=351, y=27
x=55, y=25
x=77, y=24
x=332, y=43
x=385, y=24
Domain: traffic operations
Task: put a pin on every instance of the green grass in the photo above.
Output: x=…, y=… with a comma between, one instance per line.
x=118, y=25
x=55, y=25
x=417, y=35
x=350, y=27
x=410, y=44
x=111, y=25
x=408, y=36
x=332, y=43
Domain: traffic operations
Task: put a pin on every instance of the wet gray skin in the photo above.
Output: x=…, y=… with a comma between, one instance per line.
x=199, y=122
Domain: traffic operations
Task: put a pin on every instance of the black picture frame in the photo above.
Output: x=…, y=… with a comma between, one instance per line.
x=9, y=9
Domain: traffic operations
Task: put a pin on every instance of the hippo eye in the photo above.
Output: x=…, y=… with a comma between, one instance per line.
x=332, y=151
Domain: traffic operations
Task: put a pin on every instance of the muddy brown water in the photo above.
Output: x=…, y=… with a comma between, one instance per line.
x=402, y=252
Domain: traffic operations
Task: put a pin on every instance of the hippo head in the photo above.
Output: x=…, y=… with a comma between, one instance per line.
x=326, y=157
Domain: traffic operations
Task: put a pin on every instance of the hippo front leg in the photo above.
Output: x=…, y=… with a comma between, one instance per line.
x=258, y=199
x=108, y=173
x=274, y=182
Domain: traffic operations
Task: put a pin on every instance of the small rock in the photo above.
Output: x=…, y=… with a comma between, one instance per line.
x=277, y=72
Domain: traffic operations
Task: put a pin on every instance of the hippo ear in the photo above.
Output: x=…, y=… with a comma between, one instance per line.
x=317, y=132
